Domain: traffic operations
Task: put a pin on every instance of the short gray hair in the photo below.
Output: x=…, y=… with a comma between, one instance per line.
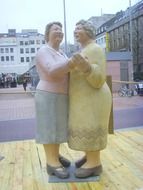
x=48, y=27
x=88, y=27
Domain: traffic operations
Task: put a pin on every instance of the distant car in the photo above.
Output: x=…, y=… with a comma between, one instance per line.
x=139, y=88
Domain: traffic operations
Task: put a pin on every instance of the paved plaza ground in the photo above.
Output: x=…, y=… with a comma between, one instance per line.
x=17, y=113
x=17, y=104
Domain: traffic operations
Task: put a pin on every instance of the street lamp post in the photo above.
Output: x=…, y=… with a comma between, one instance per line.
x=65, y=31
x=131, y=39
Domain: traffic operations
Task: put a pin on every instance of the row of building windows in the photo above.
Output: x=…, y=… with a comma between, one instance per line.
x=7, y=58
x=6, y=50
x=11, y=50
x=27, y=59
x=101, y=40
x=28, y=50
x=32, y=42
x=101, y=29
x=11, y=58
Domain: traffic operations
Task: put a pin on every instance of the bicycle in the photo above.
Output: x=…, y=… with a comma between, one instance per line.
x=124, y=91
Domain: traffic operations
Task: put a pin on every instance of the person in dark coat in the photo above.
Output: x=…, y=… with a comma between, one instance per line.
x=24, y=84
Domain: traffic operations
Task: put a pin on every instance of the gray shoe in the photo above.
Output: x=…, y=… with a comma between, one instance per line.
x=80, y=162
x=64, y=161
x=88, y=172
x=59, y=171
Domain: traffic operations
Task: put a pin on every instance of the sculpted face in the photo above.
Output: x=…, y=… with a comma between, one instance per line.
x=55, y=33
x=80, y=34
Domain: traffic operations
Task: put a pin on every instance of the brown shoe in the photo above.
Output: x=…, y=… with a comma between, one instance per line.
x=80, y=162
x=59, y=171
x=88, y=172
x=65, y=162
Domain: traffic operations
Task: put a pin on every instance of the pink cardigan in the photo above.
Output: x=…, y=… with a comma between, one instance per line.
x=52, y=67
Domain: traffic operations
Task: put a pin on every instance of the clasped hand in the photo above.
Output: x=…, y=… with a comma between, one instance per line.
x=80, y=62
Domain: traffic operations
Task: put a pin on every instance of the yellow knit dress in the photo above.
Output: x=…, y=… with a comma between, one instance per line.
x=89, y=103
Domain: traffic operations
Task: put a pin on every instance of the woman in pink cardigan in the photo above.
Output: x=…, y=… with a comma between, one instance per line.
x=52, y=100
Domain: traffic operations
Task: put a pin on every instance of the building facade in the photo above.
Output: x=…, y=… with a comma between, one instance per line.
x=17, y=50
x=102, y=36
x=124, y=33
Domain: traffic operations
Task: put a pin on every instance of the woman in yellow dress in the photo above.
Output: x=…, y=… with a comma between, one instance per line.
x=90, y=101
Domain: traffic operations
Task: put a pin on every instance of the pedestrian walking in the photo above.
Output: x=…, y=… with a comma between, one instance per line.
x=24, y=84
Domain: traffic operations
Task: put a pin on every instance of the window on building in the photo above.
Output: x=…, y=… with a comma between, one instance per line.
x=43, y=41
x=37, y=41
x=114, y=44
x=2, y=58
x=32, y=50
x=27, y=50
x=101, y=40
x=38, y=49
x=12, y=58
x=6, y=50
x=22, y=59
x=32, y=42
x=26, y=43
x=21, y=43
x=32, y=58
x=11, y=50
x=21, y=50
x=2, y=50
x=27, y=59
x=7, y=58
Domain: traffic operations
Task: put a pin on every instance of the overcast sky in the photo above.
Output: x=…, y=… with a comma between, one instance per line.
x=35, y=14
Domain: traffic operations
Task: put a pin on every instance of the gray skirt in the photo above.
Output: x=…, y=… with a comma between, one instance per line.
x=51, y=117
